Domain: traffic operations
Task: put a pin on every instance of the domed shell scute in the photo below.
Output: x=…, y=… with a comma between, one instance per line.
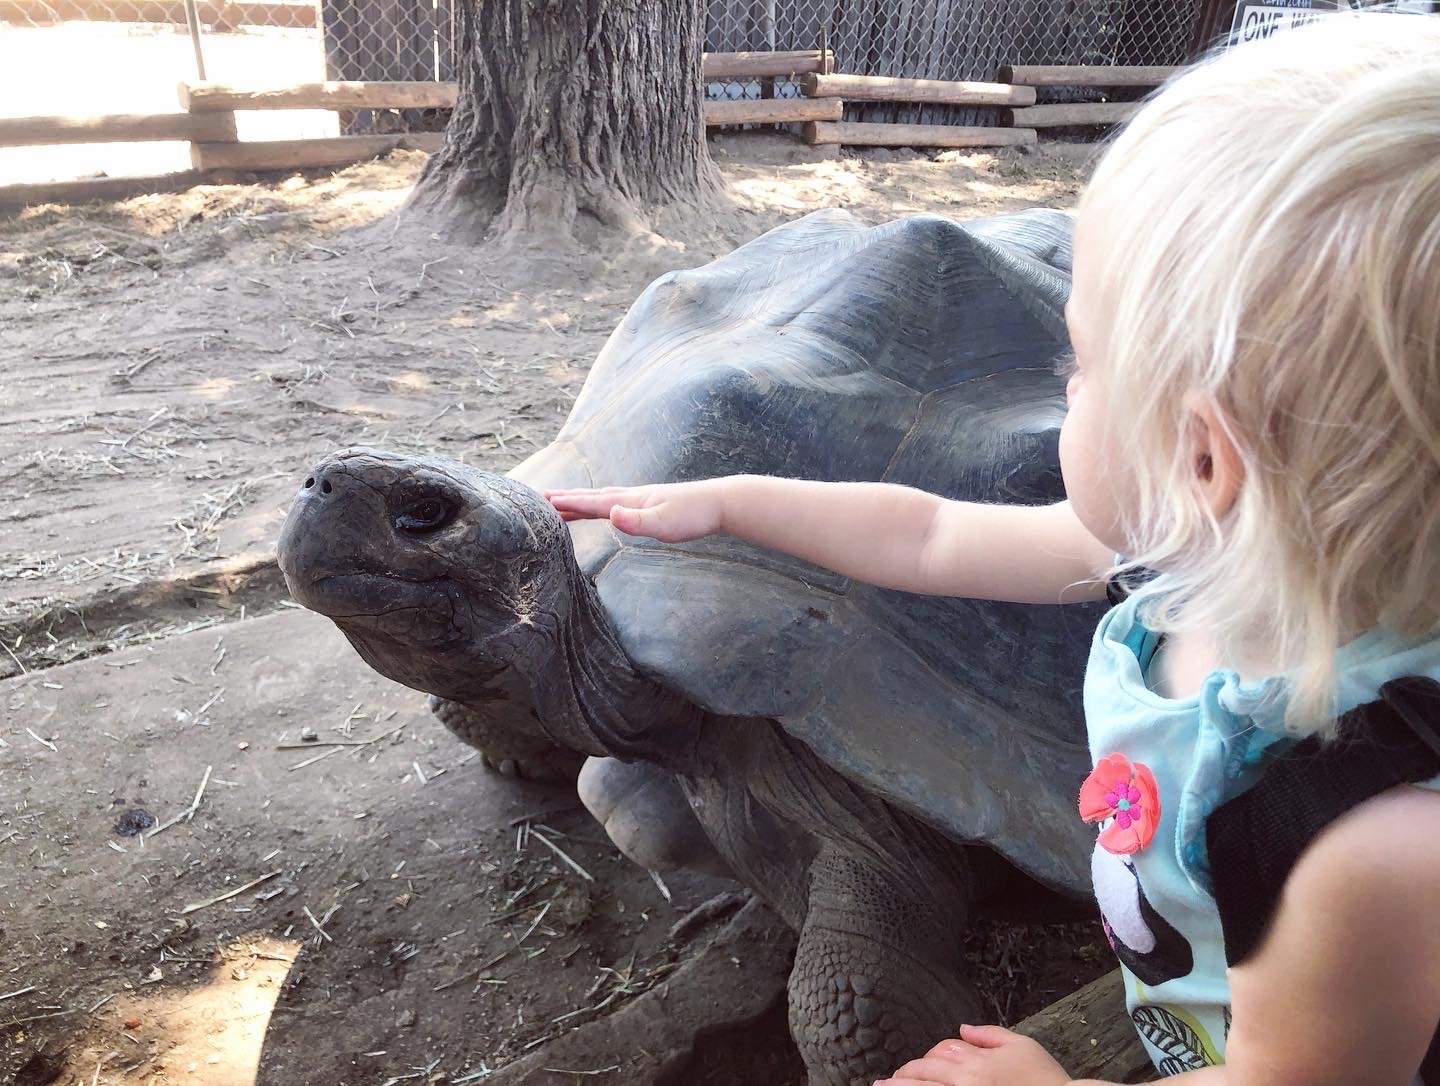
x=919, y=352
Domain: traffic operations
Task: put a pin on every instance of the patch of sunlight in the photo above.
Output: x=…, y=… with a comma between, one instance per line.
x=511, y=310
x=411, y=382
x=773, y=193
x=212, y=1032
x=217, y=388
x=371, y=201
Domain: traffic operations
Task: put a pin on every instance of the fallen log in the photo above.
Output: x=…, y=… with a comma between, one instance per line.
x=875, y=88
x=1090, y=1034
x=915, y=135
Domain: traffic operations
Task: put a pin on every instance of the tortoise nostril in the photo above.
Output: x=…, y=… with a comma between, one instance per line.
x=325, y=487
x=309, y=482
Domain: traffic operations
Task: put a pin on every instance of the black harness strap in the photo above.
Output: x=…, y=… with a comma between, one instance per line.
x=1255, y=840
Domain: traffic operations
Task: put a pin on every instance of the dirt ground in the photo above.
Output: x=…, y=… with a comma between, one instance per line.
x=169, y=366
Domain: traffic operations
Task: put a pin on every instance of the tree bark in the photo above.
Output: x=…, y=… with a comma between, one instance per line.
x=573, y=112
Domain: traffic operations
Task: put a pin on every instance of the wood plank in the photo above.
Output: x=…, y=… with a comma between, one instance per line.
x=117, y=128
x=772, y=110
x=98, y=188
x=1074, y=113
x=1085, y=75
x=304, y=154
x=915, y=135
x=755, y=65
x=1090, y=1034
x=203, y=97
x=877, y=88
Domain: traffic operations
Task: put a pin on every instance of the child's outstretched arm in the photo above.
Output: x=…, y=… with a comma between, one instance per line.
x=880, y=533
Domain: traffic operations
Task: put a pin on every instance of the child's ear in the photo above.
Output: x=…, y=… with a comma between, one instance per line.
x=1218, y=470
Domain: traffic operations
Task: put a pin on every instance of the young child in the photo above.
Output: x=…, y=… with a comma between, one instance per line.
x=1254, y=416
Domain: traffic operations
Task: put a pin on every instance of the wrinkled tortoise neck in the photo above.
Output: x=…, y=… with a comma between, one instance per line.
x=584, y=692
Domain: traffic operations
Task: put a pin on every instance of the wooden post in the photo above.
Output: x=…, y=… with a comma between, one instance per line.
x=192, y=20
x=915, y=135
x=875, y=88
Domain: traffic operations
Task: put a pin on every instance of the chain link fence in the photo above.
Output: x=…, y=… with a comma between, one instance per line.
x=952, y=39
x=86, y=57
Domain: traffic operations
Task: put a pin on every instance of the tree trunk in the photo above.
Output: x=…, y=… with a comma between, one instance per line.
x=572, y=113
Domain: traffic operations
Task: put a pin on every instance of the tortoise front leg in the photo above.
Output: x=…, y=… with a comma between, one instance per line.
x=878, y=976
x=647, y=816
x=503, y=747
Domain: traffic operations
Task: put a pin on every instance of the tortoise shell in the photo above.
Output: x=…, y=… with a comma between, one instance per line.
x=918, y=352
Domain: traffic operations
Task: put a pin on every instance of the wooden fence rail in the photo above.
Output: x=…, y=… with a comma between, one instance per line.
x=876, y=88
x=117, y=128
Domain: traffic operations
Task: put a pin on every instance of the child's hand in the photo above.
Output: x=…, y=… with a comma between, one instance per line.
x=670, y=512
x=984, y=1056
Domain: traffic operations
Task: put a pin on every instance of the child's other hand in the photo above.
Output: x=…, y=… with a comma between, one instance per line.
x=670, y=512
x=983, y=1056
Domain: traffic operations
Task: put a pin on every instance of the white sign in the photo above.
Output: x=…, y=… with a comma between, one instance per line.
x=1256, y=22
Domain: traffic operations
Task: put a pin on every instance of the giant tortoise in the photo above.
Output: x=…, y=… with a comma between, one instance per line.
x=874, y=764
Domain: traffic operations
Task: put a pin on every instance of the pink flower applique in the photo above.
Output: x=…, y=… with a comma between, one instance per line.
x=1126, y=793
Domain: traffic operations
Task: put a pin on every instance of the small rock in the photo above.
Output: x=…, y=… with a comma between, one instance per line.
x=133, y=822
x=407, y=1018
x=308, y=734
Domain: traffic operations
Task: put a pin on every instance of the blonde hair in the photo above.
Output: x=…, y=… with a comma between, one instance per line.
x=1274, y=220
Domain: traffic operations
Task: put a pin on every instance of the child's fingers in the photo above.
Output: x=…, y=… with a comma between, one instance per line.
x=987, y=1036
x=588, y=504
x=574, y=491
x=951, y=1049
x=933, y=1069
x=646, y=522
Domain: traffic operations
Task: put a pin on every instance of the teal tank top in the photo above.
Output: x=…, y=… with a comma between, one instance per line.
x=1163, y=766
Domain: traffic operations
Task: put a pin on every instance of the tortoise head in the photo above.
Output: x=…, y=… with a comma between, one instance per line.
x=441, y=575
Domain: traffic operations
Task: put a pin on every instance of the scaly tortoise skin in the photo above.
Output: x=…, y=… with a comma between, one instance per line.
x=871, y=762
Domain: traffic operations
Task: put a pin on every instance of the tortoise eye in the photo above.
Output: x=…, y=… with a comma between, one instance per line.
x=425, y=515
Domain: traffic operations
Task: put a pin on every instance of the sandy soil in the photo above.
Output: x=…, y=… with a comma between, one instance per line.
x=171, y=365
